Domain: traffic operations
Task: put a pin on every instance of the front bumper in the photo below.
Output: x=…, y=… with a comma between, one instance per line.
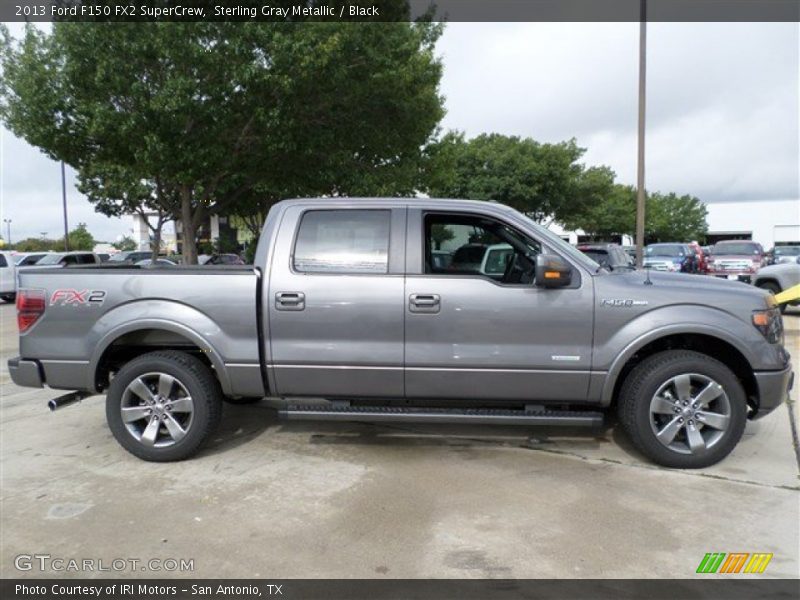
x=27, y=373
x=773, y=389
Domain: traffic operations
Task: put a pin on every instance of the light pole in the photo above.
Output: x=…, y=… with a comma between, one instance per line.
x=8, y=230
x=640, y=191
x=64, y=200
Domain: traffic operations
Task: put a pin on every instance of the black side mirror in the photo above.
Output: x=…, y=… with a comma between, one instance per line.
x=552, y=271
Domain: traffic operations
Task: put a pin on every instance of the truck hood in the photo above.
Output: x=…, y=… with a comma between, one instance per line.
x=681, y=288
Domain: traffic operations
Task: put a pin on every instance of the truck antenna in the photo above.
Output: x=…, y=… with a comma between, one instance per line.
x=647, y=279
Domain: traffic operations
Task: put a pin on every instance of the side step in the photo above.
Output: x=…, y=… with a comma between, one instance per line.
x=407, y=414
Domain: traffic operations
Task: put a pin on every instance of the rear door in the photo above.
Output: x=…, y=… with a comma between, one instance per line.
x=335, y=302
x=490, y=334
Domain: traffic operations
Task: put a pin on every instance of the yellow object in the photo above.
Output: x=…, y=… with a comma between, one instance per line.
x=793, y=293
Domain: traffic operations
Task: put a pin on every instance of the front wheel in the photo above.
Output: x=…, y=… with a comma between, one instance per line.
x=162, y=406
x=683, y=409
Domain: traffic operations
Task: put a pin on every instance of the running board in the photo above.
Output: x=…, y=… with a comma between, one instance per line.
x=404, y=414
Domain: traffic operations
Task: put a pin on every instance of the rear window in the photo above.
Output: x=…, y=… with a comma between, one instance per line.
x=343, y=241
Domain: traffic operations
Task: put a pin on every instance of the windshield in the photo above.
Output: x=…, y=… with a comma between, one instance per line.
x=787, y=251
x=664, y=250
x=50, y=259
x=741, y=248
x=118, y=257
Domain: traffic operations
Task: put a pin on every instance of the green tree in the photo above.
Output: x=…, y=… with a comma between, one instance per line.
x=125, y=244
x=668, y=217
x=80, y=238
x=38, y=245
x=227, y=117
x=673, y=218
x=545, y=181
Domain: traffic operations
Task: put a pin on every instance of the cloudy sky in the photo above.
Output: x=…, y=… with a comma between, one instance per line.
x=722, y=109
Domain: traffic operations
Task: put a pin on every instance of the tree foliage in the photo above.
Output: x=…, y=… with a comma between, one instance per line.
x=80, y=238
x=125, y=244
x=544, y=181
x=194, y=119
x=668, y=217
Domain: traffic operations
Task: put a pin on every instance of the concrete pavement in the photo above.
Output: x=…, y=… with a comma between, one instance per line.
x=278, y=500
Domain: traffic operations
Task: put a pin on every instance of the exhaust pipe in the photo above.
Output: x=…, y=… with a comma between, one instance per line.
x=66, y=400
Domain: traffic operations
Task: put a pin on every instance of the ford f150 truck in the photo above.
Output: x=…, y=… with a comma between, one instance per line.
x=346, y=305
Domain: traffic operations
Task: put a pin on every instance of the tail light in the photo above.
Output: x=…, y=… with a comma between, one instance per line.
x=30, y=306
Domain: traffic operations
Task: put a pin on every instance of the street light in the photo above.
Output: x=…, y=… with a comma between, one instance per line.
x=8, y=230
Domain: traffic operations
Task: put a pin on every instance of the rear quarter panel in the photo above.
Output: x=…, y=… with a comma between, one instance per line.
x=213, y=308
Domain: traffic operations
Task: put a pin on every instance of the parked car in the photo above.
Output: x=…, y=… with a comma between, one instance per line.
x=610, y=256
x=220, y=259
x=147, y=262
x=342, y=303
x=130, y=257
x=64, y=259
x=736, y=259
x=25, y=259
x=785, y=254
x=8, y=273
x=777, y=278
x=631, y=252
x=670, y=257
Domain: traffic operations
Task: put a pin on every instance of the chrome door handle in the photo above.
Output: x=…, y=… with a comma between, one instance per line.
x=290, y=301
x=424, y=303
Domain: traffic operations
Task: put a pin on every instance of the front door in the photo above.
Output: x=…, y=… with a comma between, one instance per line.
x=476, y=325
x=336, y=303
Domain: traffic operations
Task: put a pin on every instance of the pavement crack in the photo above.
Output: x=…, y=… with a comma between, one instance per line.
x=795, y=438
x=683, y=472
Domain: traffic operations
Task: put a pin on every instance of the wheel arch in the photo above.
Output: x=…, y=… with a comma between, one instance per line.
x=133, y=339
x=707, y=342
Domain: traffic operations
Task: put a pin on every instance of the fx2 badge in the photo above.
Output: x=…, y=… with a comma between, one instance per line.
x=78, y=297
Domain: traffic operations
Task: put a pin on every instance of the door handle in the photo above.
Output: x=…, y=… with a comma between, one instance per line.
x=290, y=301
x=424, y=303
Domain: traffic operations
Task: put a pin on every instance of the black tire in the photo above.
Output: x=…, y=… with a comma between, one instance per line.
x=9, y=298
x=774, y=289
x=195, y=377
x=647, y=378
x=241, y=400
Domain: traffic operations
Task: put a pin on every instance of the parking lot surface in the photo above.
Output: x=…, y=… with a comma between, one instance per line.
x=296, y=500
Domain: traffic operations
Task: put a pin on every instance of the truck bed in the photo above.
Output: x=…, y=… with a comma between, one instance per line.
x=91, y=310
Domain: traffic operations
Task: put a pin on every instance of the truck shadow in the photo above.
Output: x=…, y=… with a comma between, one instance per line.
x=243, y=424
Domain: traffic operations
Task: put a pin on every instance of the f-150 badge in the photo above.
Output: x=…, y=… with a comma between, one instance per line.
x=622, y=302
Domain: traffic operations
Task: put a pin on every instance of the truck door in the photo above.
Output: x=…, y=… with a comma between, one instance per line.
x=476, y=325
x=335, y=302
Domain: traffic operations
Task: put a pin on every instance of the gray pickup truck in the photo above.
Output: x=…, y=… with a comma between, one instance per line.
x=346, y=305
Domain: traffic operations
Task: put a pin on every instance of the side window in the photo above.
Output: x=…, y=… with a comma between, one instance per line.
x=70, y=259
x=85, y=259
x=474, y=245
x=3, y=262
x=343, y=241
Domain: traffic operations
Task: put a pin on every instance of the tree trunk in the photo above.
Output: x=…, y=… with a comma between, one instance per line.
x=189, y=229
x=156, y=243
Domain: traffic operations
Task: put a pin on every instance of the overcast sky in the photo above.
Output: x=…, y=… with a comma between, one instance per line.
x=722, y=109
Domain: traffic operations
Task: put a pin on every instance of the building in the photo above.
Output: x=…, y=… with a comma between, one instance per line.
x=768, y=222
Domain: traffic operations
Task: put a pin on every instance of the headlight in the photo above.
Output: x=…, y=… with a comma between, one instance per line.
x=770, y=324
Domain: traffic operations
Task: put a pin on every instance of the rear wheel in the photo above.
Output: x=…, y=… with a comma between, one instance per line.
x=162, y=406
x=683, y=409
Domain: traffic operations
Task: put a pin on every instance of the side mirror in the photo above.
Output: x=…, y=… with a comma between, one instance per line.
x=552, y=271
